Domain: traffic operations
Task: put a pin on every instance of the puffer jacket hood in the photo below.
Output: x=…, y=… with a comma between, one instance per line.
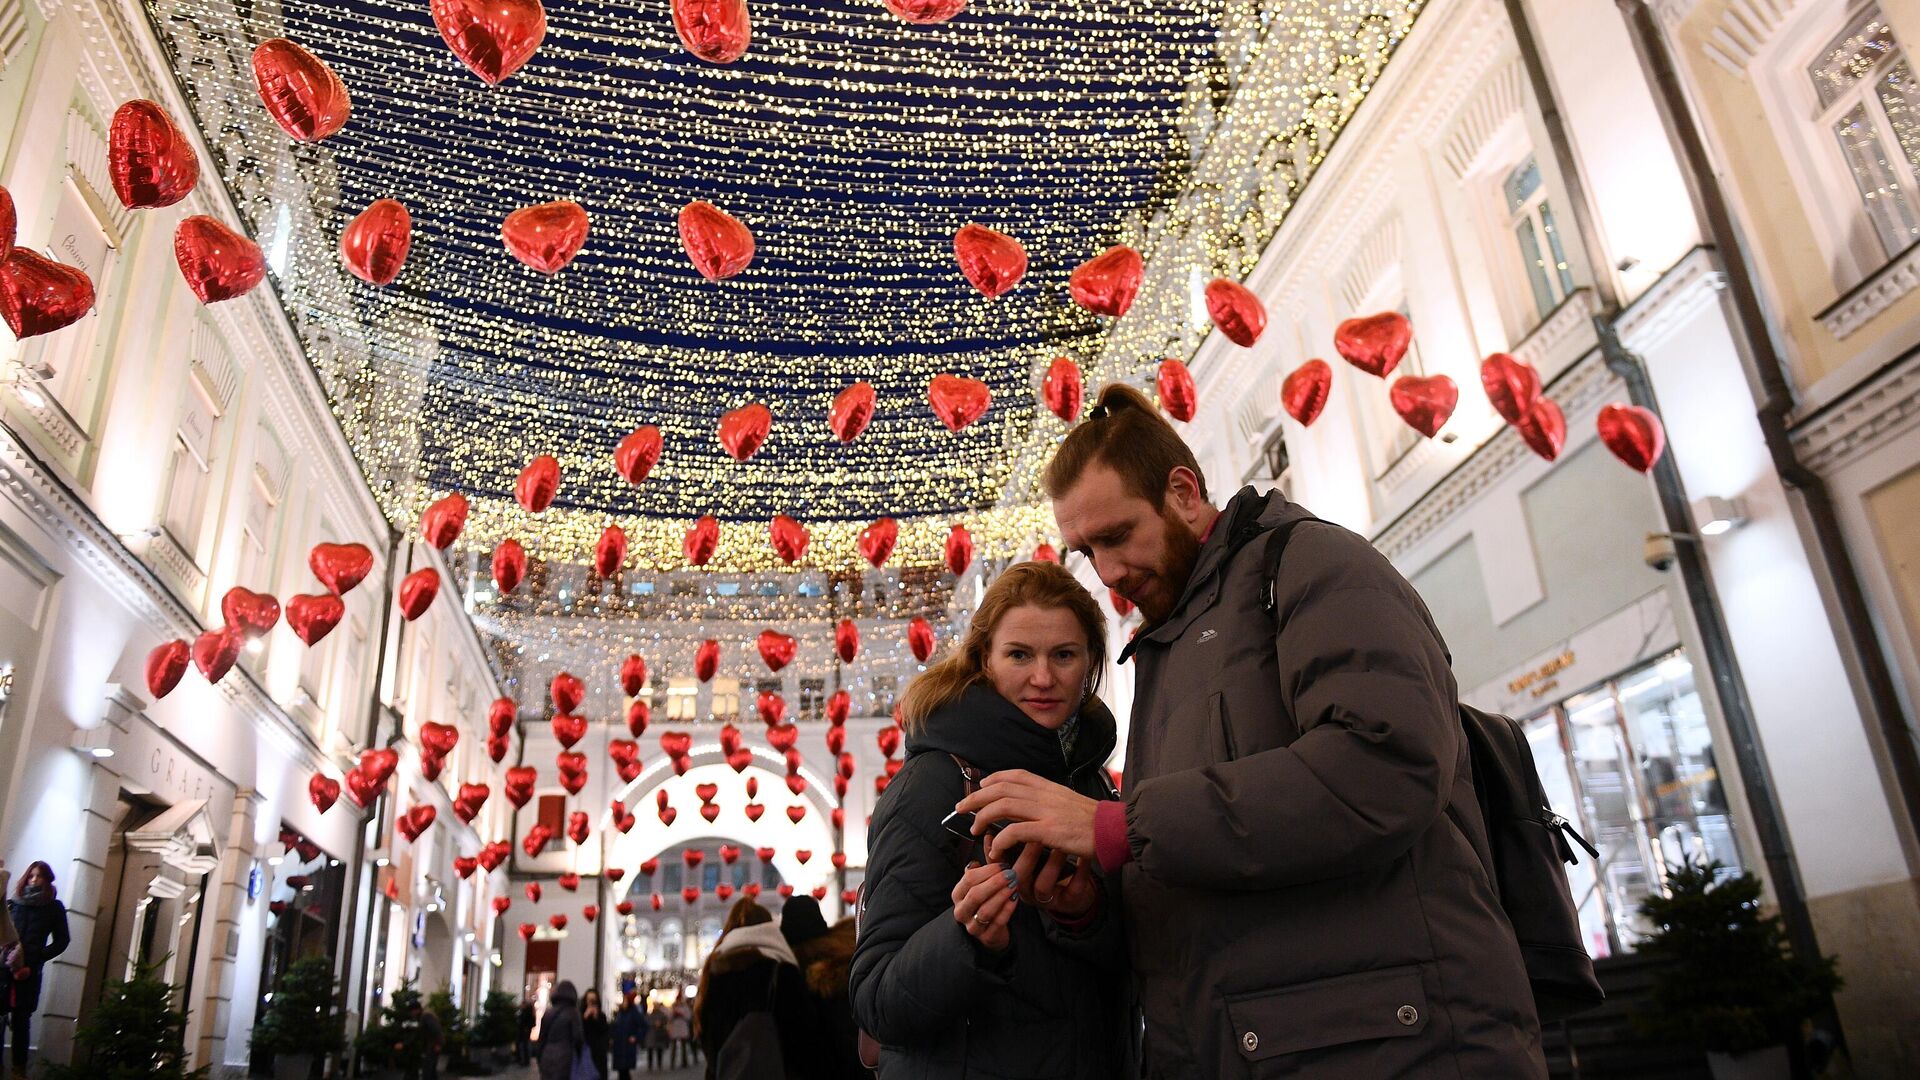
x=564, y=994
x=992, y=734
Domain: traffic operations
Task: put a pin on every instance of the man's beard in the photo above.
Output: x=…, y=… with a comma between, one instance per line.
x=1170, y=578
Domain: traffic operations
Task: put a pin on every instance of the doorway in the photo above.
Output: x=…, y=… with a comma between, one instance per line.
x=155, y=880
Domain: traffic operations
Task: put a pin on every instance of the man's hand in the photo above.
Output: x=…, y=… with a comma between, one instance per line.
x=1042, y=812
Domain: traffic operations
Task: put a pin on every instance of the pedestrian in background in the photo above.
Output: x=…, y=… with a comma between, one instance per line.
x=825, y=954
x=629, y=1033
x=680, y=1030
x=659, y=1036
x=41, y=922
x=523, y=1023
x=598, y=1028
x=751, y=974
x=561, y=1033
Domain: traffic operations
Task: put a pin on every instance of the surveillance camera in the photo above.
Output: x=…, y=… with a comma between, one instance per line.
x=1658, y=551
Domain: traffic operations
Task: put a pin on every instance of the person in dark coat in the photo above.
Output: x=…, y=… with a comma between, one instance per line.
x=750, y=970
x=1300, y=853
x=967, y=965
x=629, y=1035
x=598, y=1028
x=41, y=921
x=523, y=1024
x=825, y=954
x=659, y=1036
x=561, y=1033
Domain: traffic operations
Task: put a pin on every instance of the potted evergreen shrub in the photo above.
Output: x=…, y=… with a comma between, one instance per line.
x=454, y=1036
x=1732, y=986
x=499, y=1024
x=395, y=1044
x=299, y=1026
x=135, y=1033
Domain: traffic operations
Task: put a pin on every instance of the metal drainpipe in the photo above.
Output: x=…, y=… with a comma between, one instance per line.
x=1716, y=641
x=371, y=734
x=1775, y=412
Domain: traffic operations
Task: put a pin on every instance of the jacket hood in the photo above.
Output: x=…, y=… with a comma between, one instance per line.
x=763, y=938
x=564, y=994
x=992, y=734
x=1246, y=515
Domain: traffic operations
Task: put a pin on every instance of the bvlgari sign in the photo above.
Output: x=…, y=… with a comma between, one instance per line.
x=1634, y=634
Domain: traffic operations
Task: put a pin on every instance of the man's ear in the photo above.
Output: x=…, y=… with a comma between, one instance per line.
x=1183, y=491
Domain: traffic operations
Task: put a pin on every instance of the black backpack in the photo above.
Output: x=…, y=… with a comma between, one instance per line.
x=1527, y=840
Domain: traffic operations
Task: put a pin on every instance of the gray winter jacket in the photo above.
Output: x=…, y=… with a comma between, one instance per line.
x=561, y=1033
x=1309, y=892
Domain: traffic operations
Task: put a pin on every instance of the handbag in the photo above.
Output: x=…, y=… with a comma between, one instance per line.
x=583, y=1065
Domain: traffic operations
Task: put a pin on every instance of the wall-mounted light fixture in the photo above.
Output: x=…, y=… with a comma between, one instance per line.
x=1714, y=515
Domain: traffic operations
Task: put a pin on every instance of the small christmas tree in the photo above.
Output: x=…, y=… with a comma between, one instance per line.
x=1732, y=985
x=299, y=1019
x=135, y=1033
x=453, y=1024
x=396, y=1038
x=499, y=1020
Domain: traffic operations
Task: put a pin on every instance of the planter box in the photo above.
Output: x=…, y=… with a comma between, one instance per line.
x=292, y=1066
x=1769, y=1064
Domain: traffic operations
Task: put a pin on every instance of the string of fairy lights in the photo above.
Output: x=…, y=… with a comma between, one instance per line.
x=853, y=145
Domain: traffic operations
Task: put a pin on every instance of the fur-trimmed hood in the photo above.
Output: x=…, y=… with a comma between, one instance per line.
x=827, y=958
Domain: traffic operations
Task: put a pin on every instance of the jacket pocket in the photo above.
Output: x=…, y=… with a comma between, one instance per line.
x=1225, y=747
x=1387, y=1004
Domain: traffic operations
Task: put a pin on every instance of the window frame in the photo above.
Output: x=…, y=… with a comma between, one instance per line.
x=1862, y=94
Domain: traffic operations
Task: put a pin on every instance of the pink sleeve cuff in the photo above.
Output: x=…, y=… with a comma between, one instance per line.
x=1110, y=847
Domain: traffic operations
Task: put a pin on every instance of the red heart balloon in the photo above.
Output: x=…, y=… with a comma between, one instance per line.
x=743, y=430
x=776, y=649
x=795, y=813
x=877, y=540
x=569, y=730
x=610, y=551
x=846, y=640
x=438, y=739
x=710, y=812
x=1046, y=553
x=165, y=664
x=472, y=798
x=149, y=161
x=719, y=245
x=301, y=93
x=527, y=930
x=1236, y=311
x=959, y=551
x=379, y=764
x=739, y=758
x=497, y=748
x=692, y=892
x=839, y=816
x=627, y=771
x=9, y=223
x=417, y=591
x=667, y=814
x=1544, y=428
x=655, y=900
x=590, y=912
x=1425, y=401
x=558, y=922
x=1062, y=389
x=729, y=740
x=992, y=261
x=681, y=765
x=430, y=766
x=492, y=37
x=324, y=790
x=571, y=761
x=706, y=659
x=374, y=245
x=1178, y=396
x=650, y=867
x=894, y=765
x=1635, y=435
x=578, y=830
x=845, y=764
x=789, y=538
x=546, y=237
x=771, y=707
x=1107, y=283
x=700, y=541
x=782, y=736
x=852, y=410
x=889, y=740
x=693, y=856
x=465, y=865
x=754, y=810
x=717, y=31
x=215, y=651
x=533, y=844
x=819, y=892
x=537, y=484
x=340, y=566
x=675, y=744
x=441, y=524
x=633, y=674
x=533, y=889
x=920, y=638
x=804, y=855
x=1374, y=343
x=922, y=12
x=624, y=907
x=39, y=296
x=250, y=612
x=1512, y=387
x=637, y=454
x=509, y=565
x=314, y=617
x=1122, y=606
x=729, y=853
x=836, y=740
x=958, y=401
x=753, y=787
x=501, y=904
x=363, y=787
x=501, y=716
x=415, y=821
x=839, y=706
x=567, y=692
x=1304, y=393
x=614, y=874
x=216, y=262
x=494, y=854
x=793, y=771
x=637, y=716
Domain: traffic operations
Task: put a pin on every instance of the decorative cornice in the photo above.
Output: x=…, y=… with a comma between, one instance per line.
x=1886, y=287
x=1500, y=98
x=1743, y=31
x=1578, y=389
x=1878, y=410
x=1572, y=318
x=1377, y=256
x=1690, y=284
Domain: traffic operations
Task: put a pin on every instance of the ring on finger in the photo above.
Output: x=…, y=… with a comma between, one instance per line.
x=1044, y=900
x=981, y=919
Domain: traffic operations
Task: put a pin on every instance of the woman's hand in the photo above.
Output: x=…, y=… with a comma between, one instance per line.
x=984, y=902
x=1060, y=894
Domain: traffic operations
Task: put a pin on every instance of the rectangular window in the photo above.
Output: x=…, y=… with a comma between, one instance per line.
x=1391, y=436
x=683, y=697
x=884, y=689
x=813, y=699
x=1868, y=99
x=1530, y=217
x=190, y=474
x=66, y=360
x=726, y=699
x=553, y=813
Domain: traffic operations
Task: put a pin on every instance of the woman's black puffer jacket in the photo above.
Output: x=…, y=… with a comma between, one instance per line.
x=1054, y=1004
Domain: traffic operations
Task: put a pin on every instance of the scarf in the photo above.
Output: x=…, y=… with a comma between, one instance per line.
x=37, y=895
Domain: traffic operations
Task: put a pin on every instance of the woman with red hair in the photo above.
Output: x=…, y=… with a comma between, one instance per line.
x=41, y=921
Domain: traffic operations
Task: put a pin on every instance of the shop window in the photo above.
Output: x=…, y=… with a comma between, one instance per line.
x=552, y=812
x=1530, y=218
x=1869, y=105
x=1634, y=761
x=813, y=699
x=726, y=699
x=683, y=697
x=885, y=687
